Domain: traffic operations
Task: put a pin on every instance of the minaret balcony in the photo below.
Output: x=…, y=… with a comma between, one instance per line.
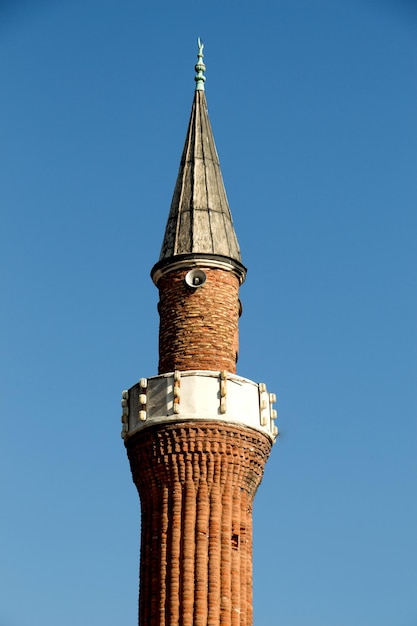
x=203, y=395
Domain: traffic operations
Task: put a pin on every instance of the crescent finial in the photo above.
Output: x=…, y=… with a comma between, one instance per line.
x=200, y=68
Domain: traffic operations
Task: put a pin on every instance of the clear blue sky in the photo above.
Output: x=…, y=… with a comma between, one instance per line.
x=313, y=107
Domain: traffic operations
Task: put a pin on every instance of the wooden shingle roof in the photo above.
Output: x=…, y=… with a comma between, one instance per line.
x=199, y=221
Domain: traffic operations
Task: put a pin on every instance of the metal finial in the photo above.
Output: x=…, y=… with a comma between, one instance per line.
x=200, y=67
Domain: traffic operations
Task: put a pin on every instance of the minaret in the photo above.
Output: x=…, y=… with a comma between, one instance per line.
x=197, y=435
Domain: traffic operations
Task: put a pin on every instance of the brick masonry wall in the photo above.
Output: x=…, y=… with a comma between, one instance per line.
x=196, y=482
x=198, y=327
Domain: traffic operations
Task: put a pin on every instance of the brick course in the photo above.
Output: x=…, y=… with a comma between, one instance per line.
x=196, y=482
x=198, y=327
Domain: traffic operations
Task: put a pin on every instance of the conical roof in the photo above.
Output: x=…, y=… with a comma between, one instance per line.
x=199, y=222
x=200, y=219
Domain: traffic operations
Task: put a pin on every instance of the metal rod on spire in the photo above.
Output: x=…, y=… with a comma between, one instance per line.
x=200, y=68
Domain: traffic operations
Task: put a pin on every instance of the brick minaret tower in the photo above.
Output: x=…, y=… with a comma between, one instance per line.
x=197, y=435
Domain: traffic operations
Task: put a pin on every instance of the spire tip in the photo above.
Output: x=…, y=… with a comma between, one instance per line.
x=200, y=68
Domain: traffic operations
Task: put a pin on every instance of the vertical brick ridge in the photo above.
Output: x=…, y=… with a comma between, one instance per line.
x=249, y=572
x=215, y=508
x=198, y=327
x=196, y=482
x=201, y=555
x=236, y=557
x=174, y=548
x=164, y=555
x=188, y=548
x=226, y=550
x=245, y=562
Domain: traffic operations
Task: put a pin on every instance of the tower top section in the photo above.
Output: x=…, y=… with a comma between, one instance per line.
x=200, y=224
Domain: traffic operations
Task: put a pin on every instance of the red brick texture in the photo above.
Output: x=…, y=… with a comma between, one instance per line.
x=198, y=327
x=196, y=482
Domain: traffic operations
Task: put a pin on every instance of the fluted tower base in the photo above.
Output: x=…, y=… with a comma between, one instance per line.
x=196, y=482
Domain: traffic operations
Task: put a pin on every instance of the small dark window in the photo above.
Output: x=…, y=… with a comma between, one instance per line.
x=235, y=542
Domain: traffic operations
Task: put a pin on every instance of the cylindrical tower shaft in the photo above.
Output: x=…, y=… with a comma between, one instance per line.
x=198, y=327
x=196, y=483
